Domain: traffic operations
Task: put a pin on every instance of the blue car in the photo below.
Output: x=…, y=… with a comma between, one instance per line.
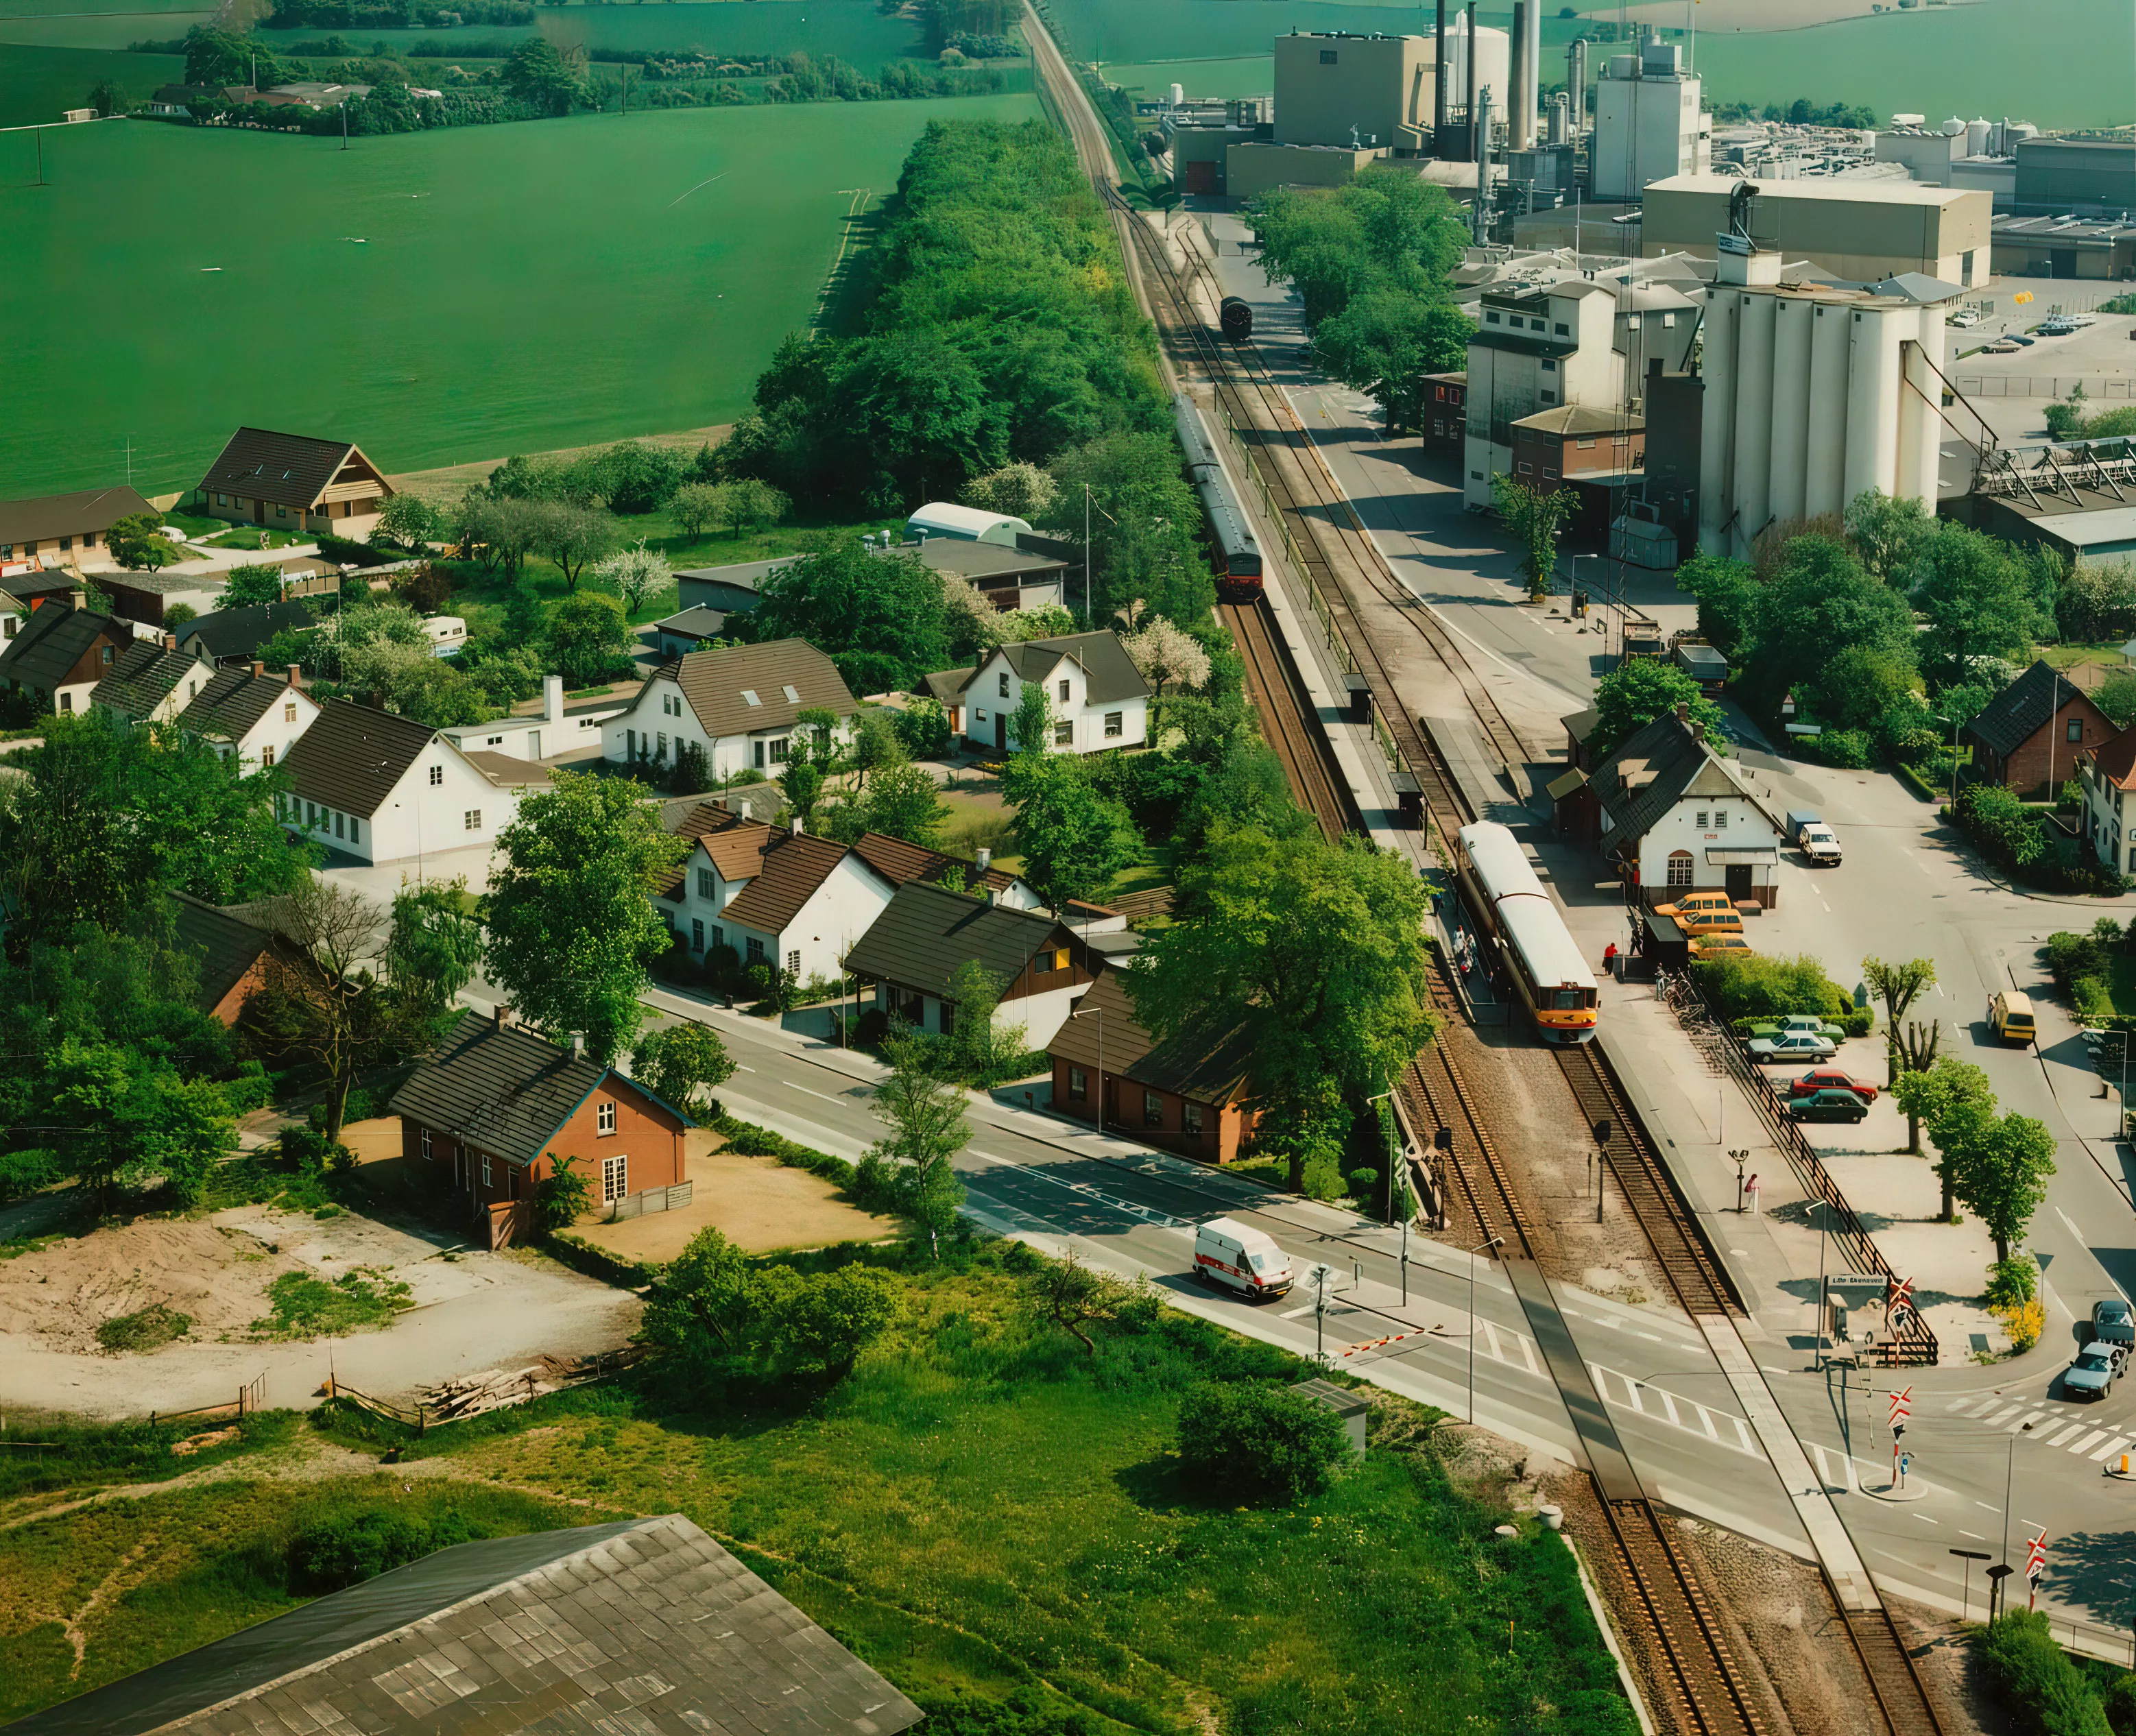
x=2112, y=1321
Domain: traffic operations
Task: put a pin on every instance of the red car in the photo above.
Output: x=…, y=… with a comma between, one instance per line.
x=1831, y=1078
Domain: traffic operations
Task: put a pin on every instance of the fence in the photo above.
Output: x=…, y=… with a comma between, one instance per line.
x=251, y=1397
x=2098, y=388
x=652, y=1200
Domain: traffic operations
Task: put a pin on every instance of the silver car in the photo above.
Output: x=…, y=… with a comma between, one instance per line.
x=2093, y=1373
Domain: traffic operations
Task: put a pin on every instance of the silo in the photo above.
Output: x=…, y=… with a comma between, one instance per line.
x=1872, y=401
x=1717, y=424
x=1754, y=387
x=1976, y=138
x=1825, y=447
x=1793, y=322
x=1575, y=82
x=1953, y=126
x=1179, y=94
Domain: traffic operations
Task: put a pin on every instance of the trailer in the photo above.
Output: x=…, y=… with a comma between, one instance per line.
x=1700, y=661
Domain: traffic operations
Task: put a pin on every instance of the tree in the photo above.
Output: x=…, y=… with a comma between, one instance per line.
x=1166, y=657
x=1536, y=521
x=574, y=537
x=1019, y=489
x=564, y=1195
x=137, y=542
x=1257, y=1440
x=1144, y=525
x=1387, y=340
x=1819, y=602
x=2003, y=1166
x=902, y=801
x=1072, y=1295
x=1974, y=598
x=250, y=586
x=407, y=520
x=537, y=75
x=1311, y=951
x=802, y=784
x=1896, y=985
x=920, y=411
x=107, y=97
x=873, y=743
x=699, y=1306
x=635, y=575
x=924, y=1118
x=923, y=727
x=1727, y=593
x=840, y=598
x=587, y=635
x=1073, y=840
x=746, y=502
x=1638, y=690
x=432, y=950
x=1952, y=1099
x=1888, y=533
x=635, y=478
x=678, y=1061
x=696, y=506
x=571, y=931
x=818, y=1323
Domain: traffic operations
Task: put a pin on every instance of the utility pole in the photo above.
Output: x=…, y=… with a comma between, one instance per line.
x=1086, y=542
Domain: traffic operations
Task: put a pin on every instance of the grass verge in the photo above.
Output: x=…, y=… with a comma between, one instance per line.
x=304, y=1307
x=146, y=1329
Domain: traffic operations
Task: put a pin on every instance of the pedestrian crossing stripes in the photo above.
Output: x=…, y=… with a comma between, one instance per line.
x=2052, y=1429
x=1723, y=1427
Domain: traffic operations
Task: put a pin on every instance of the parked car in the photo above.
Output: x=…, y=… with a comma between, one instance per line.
x=1703, y=913
x=1705, y=946
x=2112, y=1321
x=1235, y=1256
x=2020, y=339
x=1834, y=1105
x=1831, y=1078
x=1792, y=1045
x=2001, y=346
x=1800, y=1022
x=2093, y=1373
x=1964, y=318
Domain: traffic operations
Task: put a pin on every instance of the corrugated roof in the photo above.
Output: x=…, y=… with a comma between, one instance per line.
x=926, y=932
x=2019, y=711
x=1207, y=1064
x=1580, y=419
x=144, y=674
x=791, y=865
x=504, y=1089
x=50, y=516
x=352, y=755
x=232, y=702
x=225, y=633
x=290, y=470
x=52, y=641
x=718, y=683
x=638, y=1625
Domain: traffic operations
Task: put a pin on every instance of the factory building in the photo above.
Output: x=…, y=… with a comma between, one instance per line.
x=1863, y=231
x=1336, y=88
x=1648, y=123
x=1535, y=350
x=2085, y=177
x=1813, y=392
x=2063, y=246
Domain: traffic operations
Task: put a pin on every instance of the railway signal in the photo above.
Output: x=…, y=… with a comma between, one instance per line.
x=2036, y=1564
x=1902, y=1406
x=1898, y=1302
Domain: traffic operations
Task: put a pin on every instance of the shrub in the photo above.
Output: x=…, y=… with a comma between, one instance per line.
x=1752, y=986
x=562, y=1196
x=2044, y=1693
x=2024, y=1321
x=250, y=1089
x=334, y=1554
x=1847, y=750
x=922, y=729
x=1257, y=1440
x=2013, y=1281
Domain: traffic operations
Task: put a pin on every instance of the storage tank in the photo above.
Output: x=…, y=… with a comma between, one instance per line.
x=1494, y=57
x=1575, y=83
x=1910, y=120
x=1178, y=95
x=1951, y=128
x=2023, y=130
x=1976, y=138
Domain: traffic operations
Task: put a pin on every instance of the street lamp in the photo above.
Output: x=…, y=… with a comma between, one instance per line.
x=1741, y=1158
x=2003, y=1569
x=1479, y=1248
x=1099, y=1013
x=1394, y=1182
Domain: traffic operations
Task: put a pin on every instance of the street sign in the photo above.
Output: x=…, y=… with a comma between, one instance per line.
x=2035, y=1557
x=1902, y=1406
x=1848, y=1283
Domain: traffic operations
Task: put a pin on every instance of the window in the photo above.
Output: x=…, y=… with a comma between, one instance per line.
x=289, y=712
x=1152, y=1110
x=66, y=542
x=311, y=815
x=1668, y=321
x=107, y=653
x=755, y=950
x=1190, y=1118
x=1328, y=57
x=1549, y=397
x=779, y=750
x=979, y=714
x=1679, y=868
x=1064, y=735
x=759, y=756
x=1064, y=691
x=437, y=776
x=485, y=1169
x=355, y=829
x=1720, y=819
x=660, y=751
x=1703, y=818
x=267, y=754
x=1549, y=474
x=604, y=1116
x=615, y=1178
x=719, y=935
x=697, y=934
x=2075, y=732
x=1060, y=958
x=426, y=1145
x=1475, y=476
x=1585, y=445
x=337, y=826
x=494, y=741
x=707, y=885
x=948, y=1018
x=748, y=696
x=1116, y=723
x=1564, y=330
x=474, y=819
x=1438, y=428
x=1002, y=684
x=1549, y=368
x=1631, y=324
x=1079, y=1084
x=793, y=698
x=793, y=962
x=1491, y=318
x=1526, y=469
x=283, y=512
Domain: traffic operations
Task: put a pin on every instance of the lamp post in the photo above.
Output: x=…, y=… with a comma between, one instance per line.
x=1479, y=1248
x=1741, y=1158
x=1099, y=1013
x=2003, y=1569
x=1824, y=1241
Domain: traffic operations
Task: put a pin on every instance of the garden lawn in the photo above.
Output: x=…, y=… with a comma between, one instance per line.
x=436, y=297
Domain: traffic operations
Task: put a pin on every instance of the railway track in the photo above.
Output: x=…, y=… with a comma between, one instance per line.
x=1900, y=1695
x=1279, y=696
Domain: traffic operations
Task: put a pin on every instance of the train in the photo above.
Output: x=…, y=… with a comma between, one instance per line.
x=1549, y=973
x=1235, y=318
x=1238, y=555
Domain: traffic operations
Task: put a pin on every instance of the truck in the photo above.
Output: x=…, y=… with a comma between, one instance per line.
x=1815, y=839
x=1700, y=661
x=1235, y=1256
x=1642, y=637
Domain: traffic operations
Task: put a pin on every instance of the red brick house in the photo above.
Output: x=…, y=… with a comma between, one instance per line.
x=1445, y=428
x=2030, y=735
x=1185, y=1095
x=495, y=1107
x=1571, y=442
x=234, y=955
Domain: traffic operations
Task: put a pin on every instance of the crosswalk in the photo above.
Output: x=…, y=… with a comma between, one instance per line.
x=2050, y=1428
x=1723, y=1427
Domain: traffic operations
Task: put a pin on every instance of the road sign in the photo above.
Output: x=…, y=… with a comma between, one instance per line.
x=2035, y=1556
x=1902, y=1406
x=1852, y=1283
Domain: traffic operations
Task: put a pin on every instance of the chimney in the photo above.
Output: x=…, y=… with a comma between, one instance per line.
x=259, y=669
x=1683, y=711
x=553, y=699
x=78, y=598
x=501, y=1014
x=1698, y=732
x=170, y=642
x=984, y=858
x=577, y=1046
x=746, y=811
x=296, y=670
x=799, y=826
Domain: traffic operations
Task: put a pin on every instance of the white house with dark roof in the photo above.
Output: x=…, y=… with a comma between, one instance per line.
x=1098, y=697
x=383, y=788
x=152, y=681
x=740, y=704
x=251, y=714
x=1676, y=817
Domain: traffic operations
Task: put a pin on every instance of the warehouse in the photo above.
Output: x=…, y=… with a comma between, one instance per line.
x=1862, y=231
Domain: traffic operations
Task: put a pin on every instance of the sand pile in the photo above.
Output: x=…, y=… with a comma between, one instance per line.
x=59, y=1295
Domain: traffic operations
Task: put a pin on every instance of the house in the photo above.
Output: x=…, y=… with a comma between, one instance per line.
x=642, y=1625
x=151, y=681
x=1676, y=818
x=496, y=1107
x=2107, y=774
x=148, y=598
x=1008, y=576
x=234, y=956
x=1444, y=425
x=74, y=528
x=296, y=482
x=1100, y=698
x=61, y=654
x=233, y=636
x=694, y=629
x=928, y=932
x=1575, y=442
x=13, y=612
x=1186, y=1095
x=383, y=788
x=739, y=704
x=548, y=733
x=2027, y=737
x=251, y=714
x=732, y=590
x=898, y=862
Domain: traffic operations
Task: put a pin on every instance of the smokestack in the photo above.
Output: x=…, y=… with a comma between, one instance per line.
x=1439, y=139
x=1575, y=82
x=1520, y=134
x=746, y=811
x=296, y=670
x=553, y=699
x=259, y=669
x=799, y=826
x=1469, y=66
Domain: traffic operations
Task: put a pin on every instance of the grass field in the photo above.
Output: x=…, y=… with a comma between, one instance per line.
x=980, y=1507
x=437, y=298
x=37, y=83
x=1244, y=76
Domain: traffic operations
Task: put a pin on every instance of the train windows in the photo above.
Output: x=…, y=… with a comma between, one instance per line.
x=1567, y=1000
x=1679, y=868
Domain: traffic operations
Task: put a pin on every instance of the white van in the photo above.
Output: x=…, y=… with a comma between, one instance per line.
x=1238, y=1257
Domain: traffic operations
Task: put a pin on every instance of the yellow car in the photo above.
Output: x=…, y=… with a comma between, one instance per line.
x=1703, y=913
x=1712, y=946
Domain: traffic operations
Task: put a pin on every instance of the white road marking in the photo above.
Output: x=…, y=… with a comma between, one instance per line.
x=1292, y=1313
x=2109, y=1450
x=1974, y=1535
x=1997, y=1421
x=2061, y=1435
x=1926, y=1520
x=2090, y=1441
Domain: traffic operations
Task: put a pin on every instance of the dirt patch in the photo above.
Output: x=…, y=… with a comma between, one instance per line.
x=59, y=1295
x=758, y=1204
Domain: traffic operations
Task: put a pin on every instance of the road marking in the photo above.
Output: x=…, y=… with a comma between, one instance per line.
x=1997, y=1421
x=824, y=1095
x=2061, y=1435
x=1292, y=1313
x=1989, y=1504
x=2081, y=1243
x=1926, y=1520
x=2109, y=1449
x=1974, y=1535
x=1147, y=1214
x=2088, y=1441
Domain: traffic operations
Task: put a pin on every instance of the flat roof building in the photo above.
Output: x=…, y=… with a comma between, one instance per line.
x=2084, y=176
x=1861, y=230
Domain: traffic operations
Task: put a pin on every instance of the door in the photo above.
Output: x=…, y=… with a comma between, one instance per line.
x=533, y=743
x=260, y=512
x=1001, y=733
x=1740, y=889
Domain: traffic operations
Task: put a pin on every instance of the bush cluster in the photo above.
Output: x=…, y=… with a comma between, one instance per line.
x=2043, y=1692
x=345, y=1549
x=1754, y=986
x=2017, y=839
x=2079, y=964
x=1259, y=1440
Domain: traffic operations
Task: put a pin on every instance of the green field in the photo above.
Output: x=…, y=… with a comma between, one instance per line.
x=1244, y=76
x=37, y=83
x=514, y=288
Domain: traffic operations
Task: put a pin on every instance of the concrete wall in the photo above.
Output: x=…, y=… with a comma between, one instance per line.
x=1861, y=237
x=1645, y=129
x=1381, y=85
x=1252, y=169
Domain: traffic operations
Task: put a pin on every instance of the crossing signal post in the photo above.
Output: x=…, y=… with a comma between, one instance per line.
x=2036, y=1564
x=1902, y=1406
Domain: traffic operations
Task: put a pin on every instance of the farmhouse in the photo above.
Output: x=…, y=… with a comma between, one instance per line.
x=151, y=681
x=739, y=704
x=497, y=1107
x=297, y=482
x=928, y=932
x=1186, y=1094
x=1675, y=818
x=251, y=714
x=2028, y=737
x=1098, y=697
x=641, y=1625
x=72, y=527
x=61, y=654
x=383, y=788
